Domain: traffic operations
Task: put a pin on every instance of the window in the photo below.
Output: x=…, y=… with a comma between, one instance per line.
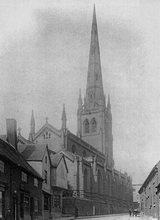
x=1, y=166
x=93, y=125
x=36, y=182
x=86, y=126
x=26, y=204
x=24, y=177
x=47, y=135
x=85, y=180
x=36, y=204
x=1, y=204
x=99, y=182
x=45, y=176
x=46, y=203
x=73, y=149
x=45, y=159
x=84, y=153
x=57, y=200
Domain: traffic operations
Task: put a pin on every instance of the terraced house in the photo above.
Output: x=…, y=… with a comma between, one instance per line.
x=20, y=184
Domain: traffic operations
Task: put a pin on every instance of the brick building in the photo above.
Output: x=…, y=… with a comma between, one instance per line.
x=18, y=191
x=149, y=199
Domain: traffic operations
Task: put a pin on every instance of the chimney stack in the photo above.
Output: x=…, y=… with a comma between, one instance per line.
x=12, y=131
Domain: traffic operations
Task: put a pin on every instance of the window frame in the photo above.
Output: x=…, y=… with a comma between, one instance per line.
x=1, y=166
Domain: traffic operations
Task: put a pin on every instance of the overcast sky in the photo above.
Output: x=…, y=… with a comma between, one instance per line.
x=44, y=49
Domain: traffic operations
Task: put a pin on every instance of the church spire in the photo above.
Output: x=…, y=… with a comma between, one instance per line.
x=64, y=118
x=94, y=91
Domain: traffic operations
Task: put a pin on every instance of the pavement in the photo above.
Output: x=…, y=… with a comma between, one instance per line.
x=109, y=217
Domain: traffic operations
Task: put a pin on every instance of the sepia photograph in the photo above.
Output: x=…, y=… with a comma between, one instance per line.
x=79, y=109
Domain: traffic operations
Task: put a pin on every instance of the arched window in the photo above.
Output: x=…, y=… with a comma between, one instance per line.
x=109, y=185
x=99, y=182
x=93, y=125
x=84, y=153
x=85, y=180
x=86, y=126
x=73, y=149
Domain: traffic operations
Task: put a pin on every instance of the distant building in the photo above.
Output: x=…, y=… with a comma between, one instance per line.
x=136, y=196
x=149, y=199
x=98, y=188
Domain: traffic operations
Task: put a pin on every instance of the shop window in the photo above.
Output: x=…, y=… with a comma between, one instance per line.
x=36, y=182
x=45, y=176
x=46, y=203
x=1, y=166
x=26, y=204
x=57, y=201
x=36, y=204
x=24, y=177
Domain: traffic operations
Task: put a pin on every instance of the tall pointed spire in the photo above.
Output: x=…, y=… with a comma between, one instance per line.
x=94, y=89
x=64, y=118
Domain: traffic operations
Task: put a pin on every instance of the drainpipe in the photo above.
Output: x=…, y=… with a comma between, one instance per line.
x=78, y=176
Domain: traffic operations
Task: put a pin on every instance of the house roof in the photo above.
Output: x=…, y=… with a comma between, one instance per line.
x=150, y=176
x=3, y=137
x=32, y=152
x=55, y=159
x=10, y=153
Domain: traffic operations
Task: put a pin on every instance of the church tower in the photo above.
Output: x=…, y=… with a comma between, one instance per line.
x=94, y=119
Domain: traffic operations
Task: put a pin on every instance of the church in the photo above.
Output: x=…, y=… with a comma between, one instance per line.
x=96, y=186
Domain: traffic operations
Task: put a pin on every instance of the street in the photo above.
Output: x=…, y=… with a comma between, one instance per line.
x=118, y=217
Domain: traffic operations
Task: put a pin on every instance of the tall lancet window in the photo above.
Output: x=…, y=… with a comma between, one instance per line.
x=86, y=126
x=93, y=125
x=85, y=181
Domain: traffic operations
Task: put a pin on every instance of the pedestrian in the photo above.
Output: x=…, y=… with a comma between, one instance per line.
x=130, y=212
x=8, y=215
x=76, y=212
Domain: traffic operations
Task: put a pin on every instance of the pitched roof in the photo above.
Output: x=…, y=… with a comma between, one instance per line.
x=32, y=152
x=7, y=151
x=55, y=159
x=3, y=137
x=50, y=127
x=23, y=140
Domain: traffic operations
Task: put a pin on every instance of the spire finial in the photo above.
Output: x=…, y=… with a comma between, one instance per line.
x=109, y=103
x=80, y=100
x=19, y=131
x=32, y=123
x=46, y=120
x=64, y=118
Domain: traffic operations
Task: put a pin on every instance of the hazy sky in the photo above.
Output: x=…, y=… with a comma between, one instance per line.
x=44, y=49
